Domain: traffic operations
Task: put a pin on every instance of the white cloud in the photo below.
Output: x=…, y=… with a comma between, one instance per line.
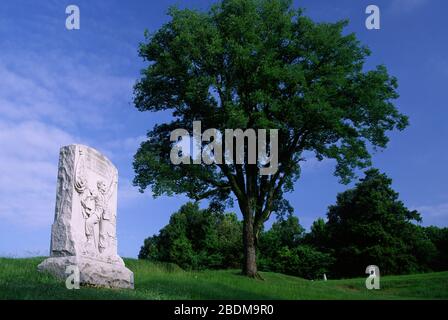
x=311, y=163
x=434, y=211
x=65, y=91
x=28, y=163
x=45, y=104
x=24, y=98
x=123, y=148
x=435, y=214
x=128, y=193
x=406, y=6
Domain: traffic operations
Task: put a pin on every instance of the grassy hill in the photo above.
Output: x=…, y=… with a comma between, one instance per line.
x=20, y=280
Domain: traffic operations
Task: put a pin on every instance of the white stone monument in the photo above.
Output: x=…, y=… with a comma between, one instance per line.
x=84, y=230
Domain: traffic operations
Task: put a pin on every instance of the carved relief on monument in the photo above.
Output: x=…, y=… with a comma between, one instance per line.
x=96, y=184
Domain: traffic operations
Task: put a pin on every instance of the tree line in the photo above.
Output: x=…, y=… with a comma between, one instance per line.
x=367, y=225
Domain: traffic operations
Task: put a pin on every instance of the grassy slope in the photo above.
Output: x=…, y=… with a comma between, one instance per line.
x=20, y=280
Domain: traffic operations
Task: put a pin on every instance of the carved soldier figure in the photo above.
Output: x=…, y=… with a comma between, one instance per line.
x=94, y=206
x=100, y=213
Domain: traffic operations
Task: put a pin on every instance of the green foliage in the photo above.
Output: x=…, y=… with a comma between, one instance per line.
x=259, y=64
x=285, y=232
x=281, y=250
x=369, y=225
x=304, y=261
x=319, y=236
x=439, y=237
x=197, y=239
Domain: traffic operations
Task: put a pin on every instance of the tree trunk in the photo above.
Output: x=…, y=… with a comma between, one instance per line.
x=250, y=263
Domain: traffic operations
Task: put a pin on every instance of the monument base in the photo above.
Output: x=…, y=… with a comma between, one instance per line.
x=91, y=271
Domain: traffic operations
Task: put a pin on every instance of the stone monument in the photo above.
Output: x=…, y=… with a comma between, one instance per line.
x=84, y=230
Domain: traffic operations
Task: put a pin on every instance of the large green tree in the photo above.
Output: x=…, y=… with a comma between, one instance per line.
x=259, y=64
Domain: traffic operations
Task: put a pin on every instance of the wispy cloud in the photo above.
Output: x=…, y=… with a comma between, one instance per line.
x=435, y=214
x=128, y=193
x=438, y=64
x=406, y=6
x=311, y=163
x=28, y=161
x=43, y=107
x=123, y=147
x=438, y=210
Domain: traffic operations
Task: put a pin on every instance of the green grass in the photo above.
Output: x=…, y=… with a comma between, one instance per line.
x=19, y=279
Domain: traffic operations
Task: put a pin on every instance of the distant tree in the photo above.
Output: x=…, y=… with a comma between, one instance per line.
x=150, y=249
x=318, y=236
x=286, y=231
x=281, y=249
x=196, y=238
x=304, y=261
x=439, y=237
x=369, y=225
x=259, y=64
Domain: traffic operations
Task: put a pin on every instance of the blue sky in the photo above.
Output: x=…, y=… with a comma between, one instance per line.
x=59, y=87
